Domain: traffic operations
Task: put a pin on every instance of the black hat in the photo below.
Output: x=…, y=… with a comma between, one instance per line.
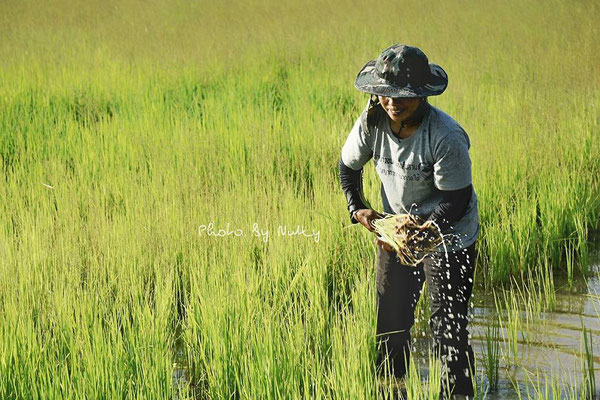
x=402, y=71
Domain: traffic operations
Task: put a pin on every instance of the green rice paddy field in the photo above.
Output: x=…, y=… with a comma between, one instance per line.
x=171, y=222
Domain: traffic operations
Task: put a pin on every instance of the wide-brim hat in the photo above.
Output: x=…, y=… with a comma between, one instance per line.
x=402, y=71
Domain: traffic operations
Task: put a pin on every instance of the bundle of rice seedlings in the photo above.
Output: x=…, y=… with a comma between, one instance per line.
x=409, y=236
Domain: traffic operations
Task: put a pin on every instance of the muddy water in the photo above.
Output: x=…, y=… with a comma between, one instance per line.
x=553, y=347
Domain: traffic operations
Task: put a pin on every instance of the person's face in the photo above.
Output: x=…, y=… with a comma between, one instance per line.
x=399, y=109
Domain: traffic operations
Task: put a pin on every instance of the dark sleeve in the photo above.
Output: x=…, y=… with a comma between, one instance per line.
x=351, y=182
x=452, y=207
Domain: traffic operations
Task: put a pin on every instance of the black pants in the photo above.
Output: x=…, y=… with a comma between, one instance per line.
x=450, y=282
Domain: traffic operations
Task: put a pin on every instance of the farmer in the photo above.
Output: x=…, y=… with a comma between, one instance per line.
x=421, y=156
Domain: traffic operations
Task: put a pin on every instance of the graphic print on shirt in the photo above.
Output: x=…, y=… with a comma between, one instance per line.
x=403, y=170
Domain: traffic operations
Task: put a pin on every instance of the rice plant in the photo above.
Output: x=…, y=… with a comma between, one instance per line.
x=126, y=131
x=589, y=373
x=492, y=355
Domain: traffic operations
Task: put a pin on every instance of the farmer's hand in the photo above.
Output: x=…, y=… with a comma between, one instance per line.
x=366, y=217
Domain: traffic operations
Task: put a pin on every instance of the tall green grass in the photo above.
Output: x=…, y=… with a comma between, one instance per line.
x=127, y=125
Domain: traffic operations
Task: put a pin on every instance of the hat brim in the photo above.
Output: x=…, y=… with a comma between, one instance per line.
x=368, y=82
